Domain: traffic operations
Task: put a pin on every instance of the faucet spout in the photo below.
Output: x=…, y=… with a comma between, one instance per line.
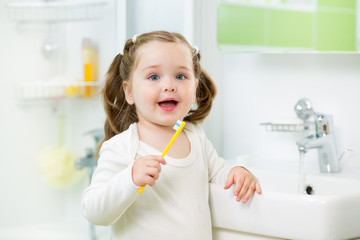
x=307, y=143
x=325, y=145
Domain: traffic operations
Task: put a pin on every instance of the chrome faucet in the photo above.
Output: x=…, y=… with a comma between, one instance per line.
x=89, y=161
x=324, y=138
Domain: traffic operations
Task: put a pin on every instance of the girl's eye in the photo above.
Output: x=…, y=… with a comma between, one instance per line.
x=154, y=77
x=180, y=77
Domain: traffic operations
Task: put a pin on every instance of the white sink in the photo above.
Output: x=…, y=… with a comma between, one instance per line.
x=332, y=212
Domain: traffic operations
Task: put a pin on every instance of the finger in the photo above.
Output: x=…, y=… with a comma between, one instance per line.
x=229, y=182
x=249, y=193
x=258, y=188
x=153, y=172
x=244, y=189
x=156, y=158
x=238, y=185
x=160, y=160
x=149, y=180
x=154, y=164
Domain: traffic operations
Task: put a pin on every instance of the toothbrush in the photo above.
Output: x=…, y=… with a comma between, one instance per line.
x=179, y=125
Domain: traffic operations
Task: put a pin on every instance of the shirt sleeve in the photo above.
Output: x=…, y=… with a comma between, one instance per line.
x=217, y=168
x=112, y=190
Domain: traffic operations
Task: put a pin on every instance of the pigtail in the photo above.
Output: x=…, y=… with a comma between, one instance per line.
x=118, y=112
x=205, y=94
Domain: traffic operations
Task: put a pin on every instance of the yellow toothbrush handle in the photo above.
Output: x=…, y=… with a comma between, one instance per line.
x=140, y=190
x=173, y=139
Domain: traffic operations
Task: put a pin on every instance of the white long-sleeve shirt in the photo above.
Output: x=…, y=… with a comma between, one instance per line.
x=176, y=207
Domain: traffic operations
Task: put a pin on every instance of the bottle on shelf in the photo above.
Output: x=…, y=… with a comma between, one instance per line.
x=89, y=55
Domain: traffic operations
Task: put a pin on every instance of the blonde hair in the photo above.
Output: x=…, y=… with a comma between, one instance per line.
x=119, y=113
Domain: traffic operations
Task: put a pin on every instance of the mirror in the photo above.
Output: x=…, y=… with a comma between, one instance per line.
x=287, y=25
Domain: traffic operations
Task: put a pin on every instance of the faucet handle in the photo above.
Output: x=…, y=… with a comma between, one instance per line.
x=346, y=150
x=96, y=134
x=303, y=109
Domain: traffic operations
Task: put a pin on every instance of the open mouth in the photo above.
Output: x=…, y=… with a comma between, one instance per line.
x=168, y=105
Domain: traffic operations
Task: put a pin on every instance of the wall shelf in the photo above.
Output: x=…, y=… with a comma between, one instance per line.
x=55, y=11
x=56, y=90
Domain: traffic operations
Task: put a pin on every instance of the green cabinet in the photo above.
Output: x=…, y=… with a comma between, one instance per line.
x=323, y=25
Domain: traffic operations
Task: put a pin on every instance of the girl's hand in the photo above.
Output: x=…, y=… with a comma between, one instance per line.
x=146, y=170
x=245, y=183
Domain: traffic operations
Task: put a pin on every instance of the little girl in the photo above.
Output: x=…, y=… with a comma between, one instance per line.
x=157, y=81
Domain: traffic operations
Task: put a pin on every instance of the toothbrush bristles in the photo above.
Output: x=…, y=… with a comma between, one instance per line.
x=177, y=124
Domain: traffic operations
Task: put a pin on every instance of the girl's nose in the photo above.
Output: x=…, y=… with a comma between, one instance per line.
x=169, y=86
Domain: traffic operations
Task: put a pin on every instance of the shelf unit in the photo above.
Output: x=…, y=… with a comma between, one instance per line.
x=50, y=13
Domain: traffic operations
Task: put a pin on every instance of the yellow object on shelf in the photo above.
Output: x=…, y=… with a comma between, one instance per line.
x=90, y=67
x=72, y=91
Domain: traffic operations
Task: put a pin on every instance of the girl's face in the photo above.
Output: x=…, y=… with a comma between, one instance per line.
x=163, y=84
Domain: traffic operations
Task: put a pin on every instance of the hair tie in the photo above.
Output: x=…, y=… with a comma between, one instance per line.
x=135, y=37
x=196, y=50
